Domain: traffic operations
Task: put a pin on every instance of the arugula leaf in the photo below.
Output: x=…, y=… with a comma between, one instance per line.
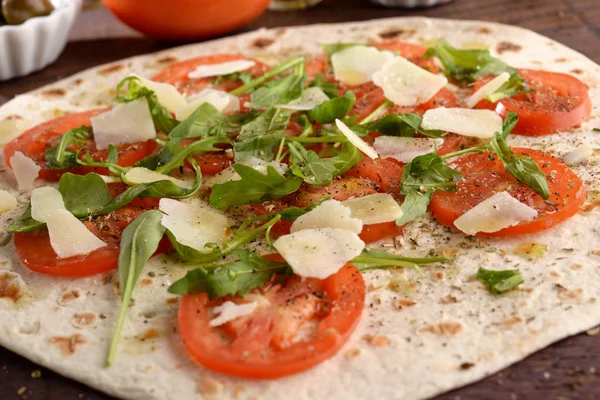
x=331, y=89
x=523, y=168
x=240, y=238
x=331, y=48
x=405, y=125
x=168, y=188
x=83, y=194
x=243, y=76
x=261, y=136
x=379, y=259
x=253, y=187
x=61, y=157
x=500, y=281
x=160, y=115
x=138, y=243
x=24, y=223
x=328, y=111
x=234, y=278
x=281, y=91
x=174, y=157
x=273, y=72
x=110, y=163
x=421, y=178
x=207, y=121
x=307, y=165
x=509, y=123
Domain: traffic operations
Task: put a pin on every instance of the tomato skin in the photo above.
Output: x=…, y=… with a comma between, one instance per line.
x=558, y=102
x=483, y=177
x=34, y=142
x=185, y=20
x=177, y=74
x=342, y=188
x=386, y=173
x=253, y=353
x=375, y=232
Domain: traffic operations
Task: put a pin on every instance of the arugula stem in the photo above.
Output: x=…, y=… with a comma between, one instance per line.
x=279, y=157
x=466, y=151
x=318, y=139
x=291, y=63
x=112, y=351
x=384, y=106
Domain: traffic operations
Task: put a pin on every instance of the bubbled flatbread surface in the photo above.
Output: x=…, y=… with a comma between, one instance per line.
x=417, y=336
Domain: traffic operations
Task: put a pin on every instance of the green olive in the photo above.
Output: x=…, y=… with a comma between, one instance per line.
x=18, y=11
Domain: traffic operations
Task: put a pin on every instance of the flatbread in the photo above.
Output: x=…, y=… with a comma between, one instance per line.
x=417, y=337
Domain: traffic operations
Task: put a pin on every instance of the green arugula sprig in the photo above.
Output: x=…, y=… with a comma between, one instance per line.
x=468, y=65
x=272, y=73
x=260, y=137
x=61, y=156
x=421, y=178
x=253, y=187
x=139, y=242
x=251, y=271
x=160, y=115
x=500, y=281
x=405, y=125
x=329, y=88
x=241, y=237
x=335, y=108
x=234, y=278
x=314, y=170
x=111, y=162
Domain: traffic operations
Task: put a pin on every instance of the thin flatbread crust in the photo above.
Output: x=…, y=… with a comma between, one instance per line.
x=417, y=337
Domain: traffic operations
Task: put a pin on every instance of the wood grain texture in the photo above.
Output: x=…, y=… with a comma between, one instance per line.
x=567, y=370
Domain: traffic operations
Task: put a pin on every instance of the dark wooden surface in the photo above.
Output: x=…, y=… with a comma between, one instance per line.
x=566, y=370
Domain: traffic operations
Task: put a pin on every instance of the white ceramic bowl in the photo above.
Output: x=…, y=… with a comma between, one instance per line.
x=37, y=42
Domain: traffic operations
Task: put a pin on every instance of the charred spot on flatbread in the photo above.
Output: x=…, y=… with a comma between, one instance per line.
x=505, y=46
x=484, y=30
x=262, y=43
x=10, y=286
x=394, y=33
x=447, y=328
x=12, y=117
x=55, y=92
x=577, y=71
x=83, y=320
x=69, y=296
x=111, y=69
x=376, y=340
x=148, y=334
x=68, y=344
x=167, y=60
x=510, y=322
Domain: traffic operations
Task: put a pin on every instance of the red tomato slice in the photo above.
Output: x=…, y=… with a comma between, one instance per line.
x=375, y=232
x=412, y=52
x=483, y=177
x=36, y=253
x=261, y=345
x=342, y=188
x=177, y=74
x=386, y=173
x=557, y=102
x=34, y=142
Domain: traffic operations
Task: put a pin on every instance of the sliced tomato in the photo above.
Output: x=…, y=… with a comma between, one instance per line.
x=484, y=176
x=342, y=188
x=36, y=253
x=557, y=102
x=267, y=343
x=177, y=74
x=386, y=173
x=375, y=232
x=34, y=142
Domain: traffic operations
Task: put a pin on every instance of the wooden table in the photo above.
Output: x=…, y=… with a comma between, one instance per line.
x=566, y=370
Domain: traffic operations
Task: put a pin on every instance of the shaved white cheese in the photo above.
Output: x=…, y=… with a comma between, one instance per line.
x=487, y=89
x=229, y=311
x=226, y=175
x=194, y=224
x=319, y=253
x=229, y=174
x=167, y=95
x=310, y=98
x=407, y=84
x=10, y=128
x=404, y=149
x=495, y=213
x=578, y=155
x=69, y=237
x=329, y=214
x=125, y=123
x=357, y=64
x=25, y=170
x=463, y=121
x=110, y=179
x=229, y=67
x=224, y=102
x=374, y=209
x=355, y=140
x=139, y=175
x=44, y=201
x=7, y=201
